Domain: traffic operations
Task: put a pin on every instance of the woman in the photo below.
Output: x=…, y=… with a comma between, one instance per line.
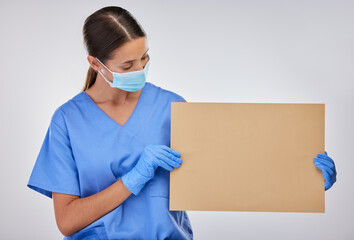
x=100, y=156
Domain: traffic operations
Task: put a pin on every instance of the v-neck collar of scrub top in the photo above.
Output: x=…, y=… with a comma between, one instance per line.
x=134, y=117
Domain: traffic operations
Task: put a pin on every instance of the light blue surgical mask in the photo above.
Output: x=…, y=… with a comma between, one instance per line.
x=128, y=81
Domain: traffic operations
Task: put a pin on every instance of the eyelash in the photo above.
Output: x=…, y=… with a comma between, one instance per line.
x=131, y=66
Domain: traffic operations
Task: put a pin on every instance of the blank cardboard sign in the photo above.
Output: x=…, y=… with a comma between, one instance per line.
x=247, y=157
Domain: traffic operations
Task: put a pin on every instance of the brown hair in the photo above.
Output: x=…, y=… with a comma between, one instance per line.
x=106, y=30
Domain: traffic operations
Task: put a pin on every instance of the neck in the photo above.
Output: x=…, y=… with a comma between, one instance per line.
x=101, y=92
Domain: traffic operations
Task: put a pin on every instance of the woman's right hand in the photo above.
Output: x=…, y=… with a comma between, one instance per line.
x=152, y=157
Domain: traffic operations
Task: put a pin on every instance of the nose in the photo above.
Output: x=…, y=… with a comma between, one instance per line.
x=143, y=65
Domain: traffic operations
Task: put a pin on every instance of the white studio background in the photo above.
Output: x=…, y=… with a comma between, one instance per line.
x=206, y=51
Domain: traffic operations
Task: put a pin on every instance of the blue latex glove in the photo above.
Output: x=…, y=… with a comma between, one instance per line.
x=326, y=164
x=152, y=157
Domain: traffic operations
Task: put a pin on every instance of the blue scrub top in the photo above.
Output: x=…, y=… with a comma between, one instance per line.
x=85, y=151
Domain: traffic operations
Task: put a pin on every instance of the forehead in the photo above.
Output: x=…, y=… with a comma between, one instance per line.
x=132, y=50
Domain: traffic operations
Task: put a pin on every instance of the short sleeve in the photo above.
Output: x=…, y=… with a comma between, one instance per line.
x=55, y=169
x=178, y=98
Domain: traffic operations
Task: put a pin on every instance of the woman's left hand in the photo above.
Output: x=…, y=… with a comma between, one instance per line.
x=326, y=164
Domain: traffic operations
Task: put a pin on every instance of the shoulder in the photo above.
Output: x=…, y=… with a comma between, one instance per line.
x=167, y=94
x=67, y=109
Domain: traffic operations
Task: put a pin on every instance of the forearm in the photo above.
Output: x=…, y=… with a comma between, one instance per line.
x=83, y=211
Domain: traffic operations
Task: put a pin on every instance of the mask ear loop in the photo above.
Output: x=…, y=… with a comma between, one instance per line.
x=104, y=66
x=110, y=83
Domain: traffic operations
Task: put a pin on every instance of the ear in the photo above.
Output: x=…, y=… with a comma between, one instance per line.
x=94, y=63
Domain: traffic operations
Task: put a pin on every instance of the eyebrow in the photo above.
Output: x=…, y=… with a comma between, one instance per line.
x=134, y=60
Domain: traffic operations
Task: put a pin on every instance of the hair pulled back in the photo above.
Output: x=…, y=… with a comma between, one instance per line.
x=106, y=30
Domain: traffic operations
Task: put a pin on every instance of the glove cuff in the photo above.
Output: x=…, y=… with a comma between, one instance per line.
x=134, y=181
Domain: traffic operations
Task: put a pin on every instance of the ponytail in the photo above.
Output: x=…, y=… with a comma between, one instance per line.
x=90, y=78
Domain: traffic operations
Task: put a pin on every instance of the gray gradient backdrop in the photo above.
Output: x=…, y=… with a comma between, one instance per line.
x=206, y=51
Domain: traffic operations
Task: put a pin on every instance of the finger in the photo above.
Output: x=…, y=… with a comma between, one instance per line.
x=324, y=167
x=324, y=162
x=335, y=179
x=328, y=164
x=170, y=150
x=319, y=166
x=328, y=184
x=171, y=156
x=166, y=159
x=329, y=180
x=330, y=160
x=326, y=175
x=165, y=166
x=323, y=156
x=326, y=153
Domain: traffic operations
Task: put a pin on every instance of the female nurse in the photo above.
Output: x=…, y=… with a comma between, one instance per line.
x=105, y=160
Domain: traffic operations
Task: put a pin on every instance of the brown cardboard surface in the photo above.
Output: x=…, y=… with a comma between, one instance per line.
x=247, y=157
